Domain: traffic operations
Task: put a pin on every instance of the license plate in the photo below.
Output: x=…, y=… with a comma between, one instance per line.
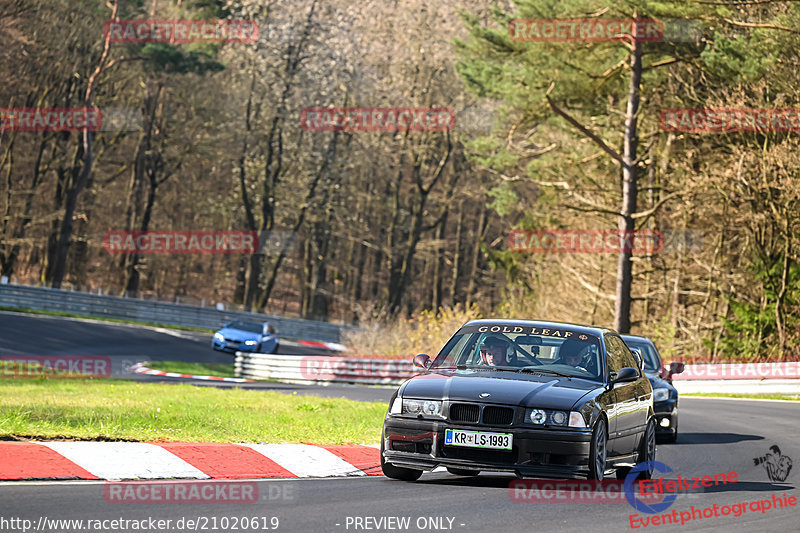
x=232, y=345
x=477, y=439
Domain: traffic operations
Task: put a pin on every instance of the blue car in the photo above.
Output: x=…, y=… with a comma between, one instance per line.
x=665, y=395
x=246, y=337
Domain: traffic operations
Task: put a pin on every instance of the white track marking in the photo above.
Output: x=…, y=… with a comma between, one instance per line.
x=126, y=460
x=304, y=460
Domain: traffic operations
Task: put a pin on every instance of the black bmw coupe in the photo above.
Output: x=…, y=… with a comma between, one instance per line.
x=528, y=397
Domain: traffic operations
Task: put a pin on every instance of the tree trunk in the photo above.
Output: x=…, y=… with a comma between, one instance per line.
x=622, y=305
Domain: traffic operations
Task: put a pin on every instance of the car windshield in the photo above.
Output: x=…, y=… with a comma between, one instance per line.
x=551, y=351
x=245, y=326
x=651, y=360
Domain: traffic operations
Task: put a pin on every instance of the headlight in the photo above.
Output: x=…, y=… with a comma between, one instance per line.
x=660, y=394
x=422, y=407
x=537, y=416
x=554, y=418
x=219, y=336
x=397, y=406
x=250, y=343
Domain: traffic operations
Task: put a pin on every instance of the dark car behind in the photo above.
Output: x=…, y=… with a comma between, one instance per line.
x=665, y=395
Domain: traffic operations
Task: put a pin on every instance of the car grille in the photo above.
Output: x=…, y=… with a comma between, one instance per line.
x=497, y=416
x=493, y=415
x=464, y=412
x=233, y=341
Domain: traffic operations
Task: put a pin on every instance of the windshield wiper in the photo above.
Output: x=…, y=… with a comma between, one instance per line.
x=483, y=367
x=535, y=370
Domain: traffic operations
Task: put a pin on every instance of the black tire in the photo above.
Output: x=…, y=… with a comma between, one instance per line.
x=622, y=472
x=598, y=450
x=463, y=472
x=647, y=449
x=397, y=472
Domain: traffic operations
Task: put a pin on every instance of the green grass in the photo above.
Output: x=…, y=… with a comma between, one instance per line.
x=109, y=409
x=793, y=397
x=102, y=318
x=200, y=369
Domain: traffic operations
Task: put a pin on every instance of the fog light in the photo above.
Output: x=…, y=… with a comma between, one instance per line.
x=664, y=423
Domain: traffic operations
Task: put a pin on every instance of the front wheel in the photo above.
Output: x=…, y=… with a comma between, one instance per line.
x=597, y=450
x=647, y=450
x=397, y=472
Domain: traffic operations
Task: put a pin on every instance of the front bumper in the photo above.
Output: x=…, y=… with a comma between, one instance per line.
x=419, y=444
x=232, y=347
x=666, y=413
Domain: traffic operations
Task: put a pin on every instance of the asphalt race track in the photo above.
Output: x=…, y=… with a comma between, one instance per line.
x=22, y=334
x=717, y=436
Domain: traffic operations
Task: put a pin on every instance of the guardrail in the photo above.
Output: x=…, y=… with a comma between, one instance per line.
x=42, y=298
x=322, y=369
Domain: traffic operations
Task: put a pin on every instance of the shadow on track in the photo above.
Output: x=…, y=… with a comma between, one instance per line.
x=714, y=438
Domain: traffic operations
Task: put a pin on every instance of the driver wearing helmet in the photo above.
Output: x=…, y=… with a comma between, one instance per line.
x=572, y=353
x=494, y=351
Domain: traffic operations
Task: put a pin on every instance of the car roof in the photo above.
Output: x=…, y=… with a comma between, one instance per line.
x=635, y=338
x=593, y=330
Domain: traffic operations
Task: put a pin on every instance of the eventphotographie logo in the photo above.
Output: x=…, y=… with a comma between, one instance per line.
x=181, y=242
x=180, y=31
x=377, y=119
x=776, y=464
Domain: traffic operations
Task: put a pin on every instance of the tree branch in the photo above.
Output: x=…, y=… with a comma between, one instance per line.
x=597, y=140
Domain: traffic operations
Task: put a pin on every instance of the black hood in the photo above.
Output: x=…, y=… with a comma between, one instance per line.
x=657, y=382
x=508, y=388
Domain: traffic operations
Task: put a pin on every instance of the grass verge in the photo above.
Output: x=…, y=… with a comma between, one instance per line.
x=109, y=409
x=102, y=318
x=198, y=369
x=793, y=397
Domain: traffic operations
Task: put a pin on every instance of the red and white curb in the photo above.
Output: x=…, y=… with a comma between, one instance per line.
x=183, y=460
x=139, y=368
x=333, y=346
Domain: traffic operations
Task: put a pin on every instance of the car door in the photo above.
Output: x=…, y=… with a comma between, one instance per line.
x=642, y=389
x=626, y=400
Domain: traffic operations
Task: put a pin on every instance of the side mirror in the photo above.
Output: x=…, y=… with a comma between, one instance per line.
x=637, y=354
x=226, y=324
x=625, y=375
x=422, y=360
x=675, y=368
